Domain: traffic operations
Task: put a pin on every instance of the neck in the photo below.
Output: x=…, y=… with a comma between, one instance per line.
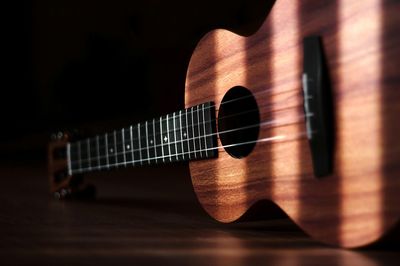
x=181, y=136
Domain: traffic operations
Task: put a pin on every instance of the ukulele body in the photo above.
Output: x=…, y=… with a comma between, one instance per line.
x=359, y=202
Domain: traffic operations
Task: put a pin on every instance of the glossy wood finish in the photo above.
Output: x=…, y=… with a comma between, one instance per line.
x=360, y=201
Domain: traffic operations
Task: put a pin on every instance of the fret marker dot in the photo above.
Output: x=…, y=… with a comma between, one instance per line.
x=165, y=139
x=111, y=150
x=151, y=141
x=184, y=134
x=128, y=147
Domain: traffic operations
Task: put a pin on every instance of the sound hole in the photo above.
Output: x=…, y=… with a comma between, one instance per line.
x=238, y=122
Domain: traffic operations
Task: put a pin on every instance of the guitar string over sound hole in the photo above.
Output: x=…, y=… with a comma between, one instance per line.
x=238, y=122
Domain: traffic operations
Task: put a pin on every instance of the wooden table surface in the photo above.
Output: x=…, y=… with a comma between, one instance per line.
x=146, y=216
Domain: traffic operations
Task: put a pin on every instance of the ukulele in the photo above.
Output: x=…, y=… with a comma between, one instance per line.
x=304, y=113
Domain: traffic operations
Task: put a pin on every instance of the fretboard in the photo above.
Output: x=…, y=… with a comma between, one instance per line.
x=181, y=136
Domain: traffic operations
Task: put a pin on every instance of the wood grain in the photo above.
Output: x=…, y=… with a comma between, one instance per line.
x=359, y=202
x=145, y=216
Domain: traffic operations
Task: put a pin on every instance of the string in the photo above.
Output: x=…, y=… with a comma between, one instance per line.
x=175, y=130
x=255, y=94
x=187, y=139
x=270, y=139
x=115, y=154
x=172, y=117
x=205, y=108
x=230, y=101
x=194, y=138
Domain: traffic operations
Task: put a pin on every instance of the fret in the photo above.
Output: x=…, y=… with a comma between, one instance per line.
x=150, y=142
x=143, y=143
x=98, y=153
x=111, y=151
x=103, y=151
x=211, y=138
x=74, y=155
x=123, y=146
x=196, y=133
x=139, y=141
x=154, y=141
x=69, y=158
x=127, y=145
x=171, y=133
x=203, y=130
x=136, y=145
x=147, y=141
x=132, y=148
x=165, y=139
x=79, y=155
x=192, y=143
x=184, y=135
x=94, y=162
x=115, y=149
x=171, y=144
x=159, y=140
x=175, y=136
x=89, y=159
x=178, y=137
x=204, y=122
x=106, y=149
x=200, y=131
x=187, y=137
x=119, y=148
x=84, y=156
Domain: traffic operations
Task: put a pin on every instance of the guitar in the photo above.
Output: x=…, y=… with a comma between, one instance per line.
x=304, y=112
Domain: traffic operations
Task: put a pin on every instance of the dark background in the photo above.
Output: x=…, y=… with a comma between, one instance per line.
x=96, y=65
